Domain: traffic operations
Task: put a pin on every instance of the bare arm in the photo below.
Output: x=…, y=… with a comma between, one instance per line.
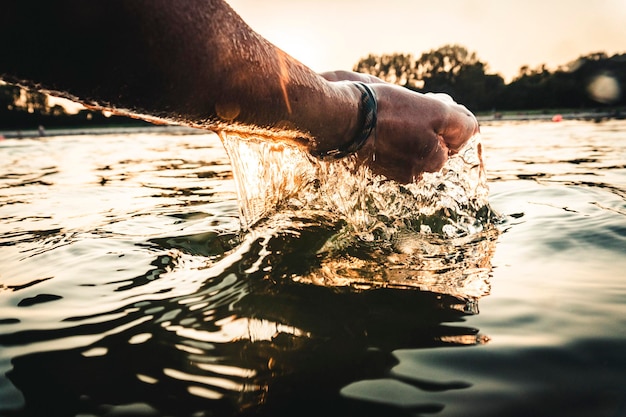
x=194, y=62
x=197, y=63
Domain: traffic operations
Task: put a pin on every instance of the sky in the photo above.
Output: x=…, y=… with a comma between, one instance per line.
x=505, y=34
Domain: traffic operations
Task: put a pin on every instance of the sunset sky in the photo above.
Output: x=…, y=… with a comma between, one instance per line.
x=335, y=34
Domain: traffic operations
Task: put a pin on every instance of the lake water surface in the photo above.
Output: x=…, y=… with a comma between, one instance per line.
x=130, y=287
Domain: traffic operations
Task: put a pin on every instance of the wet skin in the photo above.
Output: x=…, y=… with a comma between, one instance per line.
x=197, y=63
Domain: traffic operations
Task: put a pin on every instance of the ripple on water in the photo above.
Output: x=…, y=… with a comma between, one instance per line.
x=139, y=296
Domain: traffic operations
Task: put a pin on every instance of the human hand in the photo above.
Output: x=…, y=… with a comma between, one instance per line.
x=415, y=132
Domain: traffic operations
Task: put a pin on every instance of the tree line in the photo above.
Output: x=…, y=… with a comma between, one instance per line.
x=22, y=109
x=587, y=83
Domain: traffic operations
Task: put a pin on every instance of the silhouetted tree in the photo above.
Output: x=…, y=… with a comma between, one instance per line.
x=13, y=97
x=393, y=68
x=21, y=109
x=450, y=69
x=9, y=95
x=590, y=81
x=570, y=86
x=441, y=66
x=590, y=68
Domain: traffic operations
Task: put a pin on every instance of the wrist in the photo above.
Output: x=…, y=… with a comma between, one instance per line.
x=362, y=126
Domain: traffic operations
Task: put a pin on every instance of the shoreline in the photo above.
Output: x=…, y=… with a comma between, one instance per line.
x=496, y=117
x=552, y=115
x=96, y=130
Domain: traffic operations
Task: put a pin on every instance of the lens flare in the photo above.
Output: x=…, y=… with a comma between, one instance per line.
x=604, y=88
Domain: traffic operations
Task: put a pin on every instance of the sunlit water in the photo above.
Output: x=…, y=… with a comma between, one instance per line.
x=130, y=286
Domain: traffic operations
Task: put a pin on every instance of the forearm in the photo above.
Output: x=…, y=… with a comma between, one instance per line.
x=194, y=62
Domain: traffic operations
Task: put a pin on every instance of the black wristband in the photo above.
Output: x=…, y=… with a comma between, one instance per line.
x=369, y=109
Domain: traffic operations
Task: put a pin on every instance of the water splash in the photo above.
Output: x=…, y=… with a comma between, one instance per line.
x=268, y=175
x=436, y=234
x=273, y=177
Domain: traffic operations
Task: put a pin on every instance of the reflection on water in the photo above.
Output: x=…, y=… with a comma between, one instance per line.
x=128, y=289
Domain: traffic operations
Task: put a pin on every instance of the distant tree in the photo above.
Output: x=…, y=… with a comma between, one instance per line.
x=449, y=69
x=392, y=68
x=591, y=81
x=527, y=90
x=13, y=97
x=9, y=95
x=34, y=102
x=441, y=66
x=25, y=110
x=588, y=69
x=476, y=89
x=454, y=70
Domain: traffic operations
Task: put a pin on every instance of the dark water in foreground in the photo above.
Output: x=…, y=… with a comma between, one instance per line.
x=126, y=288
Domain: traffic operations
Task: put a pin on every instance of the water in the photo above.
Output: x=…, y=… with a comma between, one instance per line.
x=129, y=286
